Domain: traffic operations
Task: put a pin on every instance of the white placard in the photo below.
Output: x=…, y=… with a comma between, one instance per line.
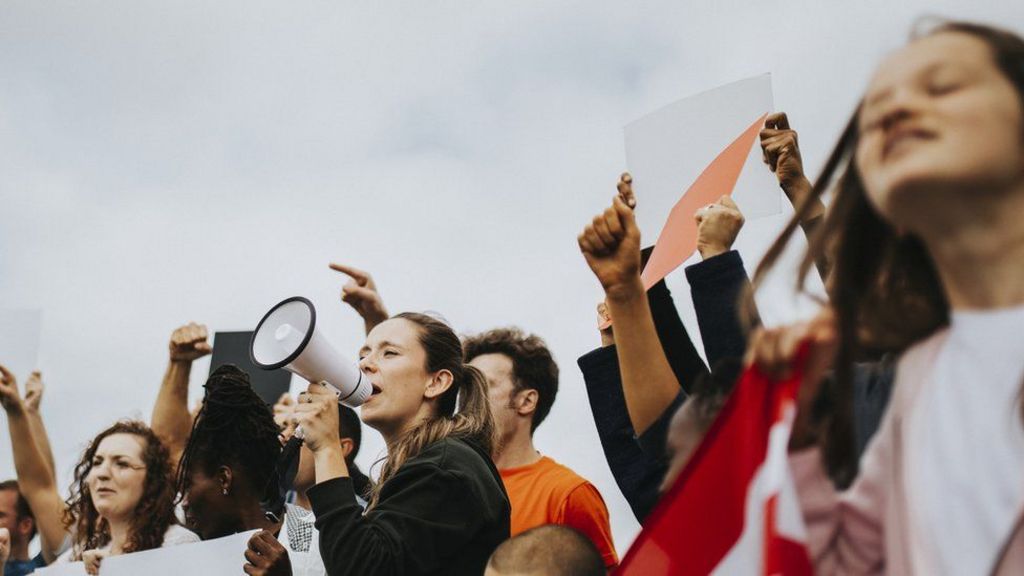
x=19, y=341
x=69, y=569
x=667, y=149
x=219, y=557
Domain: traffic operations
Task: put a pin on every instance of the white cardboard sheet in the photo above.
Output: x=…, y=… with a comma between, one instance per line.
x=667, y=149
x=219, y=557
x=72, y=569
x=19, y=341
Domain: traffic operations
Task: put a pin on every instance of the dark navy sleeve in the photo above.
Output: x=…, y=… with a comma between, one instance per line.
x=682, y=355
x=716, y=285
x=637, y=475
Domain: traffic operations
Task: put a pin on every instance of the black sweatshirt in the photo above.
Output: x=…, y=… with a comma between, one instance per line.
x=443, y=512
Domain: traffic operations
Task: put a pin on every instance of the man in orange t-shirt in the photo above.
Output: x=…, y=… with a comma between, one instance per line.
x=523, y=381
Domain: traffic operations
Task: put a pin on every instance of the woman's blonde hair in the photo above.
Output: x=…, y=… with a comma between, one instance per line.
x=472, y=421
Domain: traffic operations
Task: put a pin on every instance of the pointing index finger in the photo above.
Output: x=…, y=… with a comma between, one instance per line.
x=357, y=274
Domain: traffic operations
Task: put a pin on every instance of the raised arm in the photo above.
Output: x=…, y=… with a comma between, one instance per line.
x=718, y=281
x=611, y=246
x=171, y=420
x=35, y=480
x=34, y=389
x=360, y=292
x=781, y=152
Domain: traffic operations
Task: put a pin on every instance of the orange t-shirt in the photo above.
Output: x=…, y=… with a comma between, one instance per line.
x=546, y=492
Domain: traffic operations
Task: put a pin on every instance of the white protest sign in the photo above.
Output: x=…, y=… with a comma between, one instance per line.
x=219, y=557
x=70, y=569
x=19, y=341
x=668, y=149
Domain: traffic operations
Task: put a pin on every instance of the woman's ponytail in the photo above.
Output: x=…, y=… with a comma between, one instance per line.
x=463, y=410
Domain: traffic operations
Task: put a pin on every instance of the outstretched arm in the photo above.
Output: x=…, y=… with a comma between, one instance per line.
x=611, y=246
x=34, y=389
x=171, y=420
x=781, y=152
x=35, y=479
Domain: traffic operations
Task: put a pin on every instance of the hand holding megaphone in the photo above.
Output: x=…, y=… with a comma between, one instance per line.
x=287, y=338
x=317, y=417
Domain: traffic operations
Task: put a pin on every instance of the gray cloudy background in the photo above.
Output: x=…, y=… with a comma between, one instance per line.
x=162, y=162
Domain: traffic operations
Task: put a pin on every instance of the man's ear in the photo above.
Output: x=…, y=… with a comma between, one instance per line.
x=439, y=383
x=526, y=402
x=347, y=445
x=25, y=526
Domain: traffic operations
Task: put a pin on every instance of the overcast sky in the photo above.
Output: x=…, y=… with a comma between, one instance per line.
x=162, y=162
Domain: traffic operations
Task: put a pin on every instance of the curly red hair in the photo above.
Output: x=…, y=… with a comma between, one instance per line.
x=153, y=514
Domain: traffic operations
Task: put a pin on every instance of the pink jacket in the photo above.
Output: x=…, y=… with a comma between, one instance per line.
x=866, y=529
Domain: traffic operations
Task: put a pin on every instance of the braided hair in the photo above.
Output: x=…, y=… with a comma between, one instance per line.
x=234, y=428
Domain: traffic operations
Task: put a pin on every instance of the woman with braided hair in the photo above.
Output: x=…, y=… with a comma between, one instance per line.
x=224, y=473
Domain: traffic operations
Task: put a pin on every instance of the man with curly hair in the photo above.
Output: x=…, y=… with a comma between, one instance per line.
x=523, y=382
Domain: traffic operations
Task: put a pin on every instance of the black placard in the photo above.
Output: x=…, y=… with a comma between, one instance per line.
x=233, y=348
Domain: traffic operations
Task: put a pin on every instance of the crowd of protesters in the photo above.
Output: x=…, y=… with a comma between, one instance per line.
x=907, y=447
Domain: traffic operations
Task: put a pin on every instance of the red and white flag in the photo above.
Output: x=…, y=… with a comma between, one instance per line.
x=733, y=509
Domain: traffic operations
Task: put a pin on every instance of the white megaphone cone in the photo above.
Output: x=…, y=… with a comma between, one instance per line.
x=287, y=338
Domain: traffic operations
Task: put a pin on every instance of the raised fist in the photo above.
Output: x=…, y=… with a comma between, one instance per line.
x=189, y=343
x=611, y=245
x=718, y=225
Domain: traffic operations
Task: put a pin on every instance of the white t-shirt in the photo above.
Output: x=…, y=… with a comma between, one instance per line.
x=174, y=536
x=965, y=447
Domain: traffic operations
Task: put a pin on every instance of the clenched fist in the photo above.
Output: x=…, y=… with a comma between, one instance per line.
x=611, y=246
x=718, y=225
x=189, y=343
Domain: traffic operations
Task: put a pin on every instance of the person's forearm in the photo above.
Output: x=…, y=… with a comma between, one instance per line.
x=648, y=382
x=171, y=420
x=35, y=421
x=36, y=483
x=329, y=463
x=799, y=193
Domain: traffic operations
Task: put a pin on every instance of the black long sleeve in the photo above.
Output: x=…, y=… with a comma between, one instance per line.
x=716, y=285
x=682, y=355
x=636, y=474
x=443, y=512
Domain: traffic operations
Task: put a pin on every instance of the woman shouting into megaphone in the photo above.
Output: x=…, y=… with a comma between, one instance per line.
x=440, y=506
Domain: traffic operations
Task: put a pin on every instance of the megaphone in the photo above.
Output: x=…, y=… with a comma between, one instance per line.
x=287, y=338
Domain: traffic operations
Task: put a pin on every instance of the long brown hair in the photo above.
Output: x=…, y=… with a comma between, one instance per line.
x=883, y=287
x=473, y=420
x=153, y=514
